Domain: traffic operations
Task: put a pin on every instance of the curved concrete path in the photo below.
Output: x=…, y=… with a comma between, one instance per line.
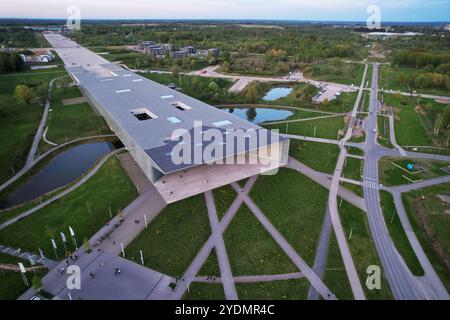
x=25, y=169
x=75, y=186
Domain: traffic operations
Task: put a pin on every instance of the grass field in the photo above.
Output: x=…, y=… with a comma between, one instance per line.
x=353, y=169
x=296, y=206
x=392, y=175
x=205, y=291
x=389, y=79
x=174, y=237
x=358, y=190
x=414, y=123
x=398, y=234
x=19, y=121
x=429, y=218
x=384, y=132
x=223, y=198
x=339, y=72
x=325, y=128
x=354, y=222
x=72, y=210
x=275, y=290
x=251, y=250
x=12, y=285
x=319, y=156
x=70, y=122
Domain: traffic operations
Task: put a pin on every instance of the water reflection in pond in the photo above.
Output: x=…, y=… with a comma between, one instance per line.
x=65, y=168
x=260, y=115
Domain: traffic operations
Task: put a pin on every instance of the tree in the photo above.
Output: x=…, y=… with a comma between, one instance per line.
x=251, y=94
x=23, y=94
x=37, y=283
x=176, y=70
x=402, y=79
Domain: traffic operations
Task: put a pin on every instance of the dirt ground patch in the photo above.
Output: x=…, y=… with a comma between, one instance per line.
x=423, y=217
x=72, y=101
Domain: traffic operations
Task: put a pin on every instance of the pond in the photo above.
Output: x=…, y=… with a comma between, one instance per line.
x=65, y=168
x=260, y=115
x=277, y=93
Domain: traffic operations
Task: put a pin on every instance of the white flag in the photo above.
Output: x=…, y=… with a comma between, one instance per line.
x=63, y=237
x=41, y=252
x=54, y=244
x=22, y=268
x=71, y=232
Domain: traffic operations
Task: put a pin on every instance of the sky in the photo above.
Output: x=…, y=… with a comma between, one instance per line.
x=325, y=10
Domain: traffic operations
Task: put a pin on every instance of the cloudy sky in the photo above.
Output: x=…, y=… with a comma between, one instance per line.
x=345, y=10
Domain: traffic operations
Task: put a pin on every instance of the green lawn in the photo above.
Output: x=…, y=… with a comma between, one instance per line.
x=389, y=79
x=398, y=234
x=211, y=266
x=251, y=249
x=275, y=290
x=335, y=71
x=353, y=168
x=205, y=291
x=223, y=198
x=409, y=129
x=174, y=237
x=72, y=210
x=392, y=175
x=335, y=277
x=354, y=222
x=358, y=190
x=415, y=120
x=325, y=128
x=296, y=206
x=384, y=138
x=319, y=156
x=429, y=218
x=19, y=121
x=12, y=285
x=70, y=122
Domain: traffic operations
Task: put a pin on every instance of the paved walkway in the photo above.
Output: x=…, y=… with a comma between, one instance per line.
x=347, y=258
x=312, y=277
x=431, y=280
x=325, y=181
x=392, y=133
x=50, y=264
x=40, y=129
x=222, y=257
x=320, y=261
x=135, y=282
x=253, y=279
x=205, y=251
x=306, y=119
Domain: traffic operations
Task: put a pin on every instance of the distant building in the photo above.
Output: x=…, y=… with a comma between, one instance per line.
x=179, y=54
x=214, y=51
x=189, y=49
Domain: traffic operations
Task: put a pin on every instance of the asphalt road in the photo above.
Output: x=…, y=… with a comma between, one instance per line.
x=400, y=279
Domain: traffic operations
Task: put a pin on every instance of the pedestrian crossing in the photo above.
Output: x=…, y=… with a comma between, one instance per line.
x=371, y=185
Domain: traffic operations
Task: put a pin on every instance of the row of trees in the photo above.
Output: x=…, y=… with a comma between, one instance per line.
x=10, y=62
x=419, y=58
x=424, y=80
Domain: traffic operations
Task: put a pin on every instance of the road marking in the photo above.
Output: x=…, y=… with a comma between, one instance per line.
x=137, y=80
x=371, y=185
x=122, y=91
